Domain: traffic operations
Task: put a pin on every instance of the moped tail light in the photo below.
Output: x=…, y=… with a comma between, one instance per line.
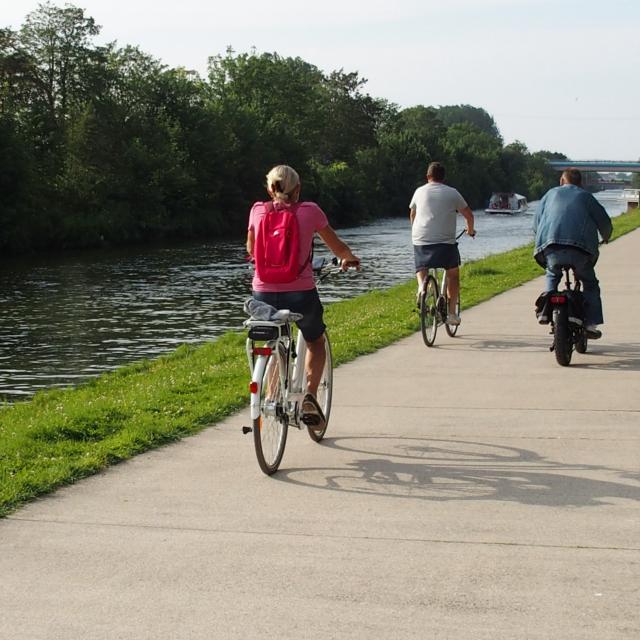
x=558, y=299
x=262, y=351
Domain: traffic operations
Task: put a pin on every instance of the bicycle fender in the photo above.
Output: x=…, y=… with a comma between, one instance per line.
x=258, y=373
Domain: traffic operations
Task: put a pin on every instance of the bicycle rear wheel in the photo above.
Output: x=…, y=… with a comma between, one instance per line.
x=270, y=428
x=325, y=392
x=429, y=311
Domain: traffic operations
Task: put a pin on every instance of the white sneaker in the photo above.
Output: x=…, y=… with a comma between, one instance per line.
x=453, y=319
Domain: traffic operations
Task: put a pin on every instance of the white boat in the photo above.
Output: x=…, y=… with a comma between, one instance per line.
x=504, y=202
x=632, y=196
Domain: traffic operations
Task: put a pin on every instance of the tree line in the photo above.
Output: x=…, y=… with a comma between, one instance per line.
x=106, y=145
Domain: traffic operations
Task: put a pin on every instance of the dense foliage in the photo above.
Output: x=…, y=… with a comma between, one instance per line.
x=105, y=145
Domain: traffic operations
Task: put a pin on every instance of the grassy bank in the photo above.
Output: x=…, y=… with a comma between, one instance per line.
x=63, y=435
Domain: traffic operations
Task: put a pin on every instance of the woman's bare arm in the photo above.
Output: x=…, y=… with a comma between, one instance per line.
x=338, y=248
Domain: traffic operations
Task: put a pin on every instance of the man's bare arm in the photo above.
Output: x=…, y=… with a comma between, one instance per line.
x=468, y=216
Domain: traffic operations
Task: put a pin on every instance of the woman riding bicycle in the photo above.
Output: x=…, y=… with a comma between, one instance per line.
x=297, y=291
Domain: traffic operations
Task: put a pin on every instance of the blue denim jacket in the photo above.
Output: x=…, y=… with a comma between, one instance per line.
x=570, y=216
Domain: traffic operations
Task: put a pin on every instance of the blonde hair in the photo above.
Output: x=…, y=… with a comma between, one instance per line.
x=281, y=182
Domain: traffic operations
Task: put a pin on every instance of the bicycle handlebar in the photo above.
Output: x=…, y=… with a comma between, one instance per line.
x=323, y=268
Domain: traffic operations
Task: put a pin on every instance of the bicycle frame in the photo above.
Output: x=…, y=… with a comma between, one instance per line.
x=442, y=313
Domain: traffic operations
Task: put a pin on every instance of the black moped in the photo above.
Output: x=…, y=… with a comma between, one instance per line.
x=564, y=311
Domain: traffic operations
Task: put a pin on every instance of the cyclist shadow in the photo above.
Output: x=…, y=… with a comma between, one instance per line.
x=433, y=472
x=526, y=343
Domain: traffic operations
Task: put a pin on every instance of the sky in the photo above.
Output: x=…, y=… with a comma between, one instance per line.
x=557, y=75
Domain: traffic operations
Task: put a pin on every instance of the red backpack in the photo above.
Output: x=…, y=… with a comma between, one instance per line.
x=277, y=246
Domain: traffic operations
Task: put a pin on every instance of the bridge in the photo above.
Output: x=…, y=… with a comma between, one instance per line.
x=591, y=167
x=613, y=166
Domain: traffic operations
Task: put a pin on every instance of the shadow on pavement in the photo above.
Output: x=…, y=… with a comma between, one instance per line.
x=513, y=344
x=625, y=357
x=444, y=470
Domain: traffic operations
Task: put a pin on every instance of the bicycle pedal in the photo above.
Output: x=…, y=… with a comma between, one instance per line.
x=246, y=430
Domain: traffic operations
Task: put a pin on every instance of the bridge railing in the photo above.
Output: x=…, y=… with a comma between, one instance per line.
x=612, y=166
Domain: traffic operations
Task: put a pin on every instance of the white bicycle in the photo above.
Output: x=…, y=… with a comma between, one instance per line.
x=276, y=352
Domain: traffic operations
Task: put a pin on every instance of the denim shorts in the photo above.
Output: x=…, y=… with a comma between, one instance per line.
x=307, y=303
x=436, y=256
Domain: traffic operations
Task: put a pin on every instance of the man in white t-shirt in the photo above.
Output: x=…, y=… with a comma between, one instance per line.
x=432, y=211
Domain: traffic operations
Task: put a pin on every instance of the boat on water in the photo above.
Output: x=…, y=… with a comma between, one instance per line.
x=505, y=202
x=632, y=197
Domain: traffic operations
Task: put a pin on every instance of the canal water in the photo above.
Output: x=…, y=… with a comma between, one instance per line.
x=67, y=318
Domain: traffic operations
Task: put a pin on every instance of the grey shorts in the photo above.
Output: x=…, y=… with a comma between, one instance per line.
x=436, y=256
x=307, y=303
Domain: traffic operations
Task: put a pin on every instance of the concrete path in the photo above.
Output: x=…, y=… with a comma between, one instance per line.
x=475, y=490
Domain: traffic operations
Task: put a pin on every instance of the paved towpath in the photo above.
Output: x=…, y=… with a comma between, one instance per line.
x=475, y=490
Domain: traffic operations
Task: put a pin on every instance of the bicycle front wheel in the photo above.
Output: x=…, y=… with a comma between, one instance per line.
x=429, y=311
x=325, y=391
x=270, y=427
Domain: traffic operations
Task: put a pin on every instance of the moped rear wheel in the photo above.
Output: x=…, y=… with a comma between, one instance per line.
x=562, y=342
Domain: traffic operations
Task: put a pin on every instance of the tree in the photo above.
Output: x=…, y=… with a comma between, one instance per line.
x=540, y=175
x=458, y=114
x=514, y=160
x=271, y=105
x=350, y=118
x=53, y=48
x=473, y=162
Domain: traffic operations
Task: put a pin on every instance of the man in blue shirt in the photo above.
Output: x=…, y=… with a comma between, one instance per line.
x=566, y=225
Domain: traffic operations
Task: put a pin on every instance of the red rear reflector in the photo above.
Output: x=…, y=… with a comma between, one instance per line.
x=558, y=299
x=253, y=387
x=262, y=351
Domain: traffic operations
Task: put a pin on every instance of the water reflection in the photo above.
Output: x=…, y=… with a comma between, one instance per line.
x=67, y=318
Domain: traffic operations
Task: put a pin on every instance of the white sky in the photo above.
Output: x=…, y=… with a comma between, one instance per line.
x=561, y=75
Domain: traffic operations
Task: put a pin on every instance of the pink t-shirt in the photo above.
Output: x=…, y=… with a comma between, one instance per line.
x=311, y=218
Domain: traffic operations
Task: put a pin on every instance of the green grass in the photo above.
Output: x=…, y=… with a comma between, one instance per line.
x=61, y=436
